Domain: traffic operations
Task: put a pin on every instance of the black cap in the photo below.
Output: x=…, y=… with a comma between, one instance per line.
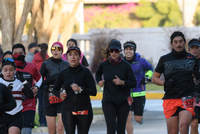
x=32, y=45
x=74, y=48
x=115, y=44
x=194, y=42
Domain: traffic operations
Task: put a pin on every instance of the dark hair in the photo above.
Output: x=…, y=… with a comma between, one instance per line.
x=1, y=51
x=18, y=45
x=8, y=63
x=43, y=51
x=73, y=40
x=105, y=52
x=176, y=34
x=7, y=52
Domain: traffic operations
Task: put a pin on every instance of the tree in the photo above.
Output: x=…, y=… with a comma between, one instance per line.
x=162, y=13
x=12, y=33
x=45, y=22
x=196, y=20
x=100, y=39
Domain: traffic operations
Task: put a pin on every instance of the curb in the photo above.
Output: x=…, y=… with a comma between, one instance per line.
x=149, y=95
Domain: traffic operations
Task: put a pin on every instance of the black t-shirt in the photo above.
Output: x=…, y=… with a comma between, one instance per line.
x=180, y=69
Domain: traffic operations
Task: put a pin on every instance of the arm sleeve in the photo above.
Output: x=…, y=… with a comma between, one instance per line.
x=37, y=76
x=148, y=68
x=9, y=101
x=99, y=73
x=196, y=70
x=131, y=82
x=58, y=84
x=160, y=66
x=27, y=91
x=43, y=72
x=91, y=89
x=85, y=62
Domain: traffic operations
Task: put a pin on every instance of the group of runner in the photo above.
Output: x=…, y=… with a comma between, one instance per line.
x=67, y=84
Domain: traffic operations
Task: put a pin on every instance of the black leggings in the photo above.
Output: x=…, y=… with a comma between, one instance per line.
x=83, y=122
x=115, y=115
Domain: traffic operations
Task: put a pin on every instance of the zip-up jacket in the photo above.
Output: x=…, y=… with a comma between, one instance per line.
x=51, y=68
x=140, y=66
x=83, y=78
x=116, y=94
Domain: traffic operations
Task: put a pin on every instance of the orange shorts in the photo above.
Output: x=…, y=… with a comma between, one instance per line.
x=171, y=105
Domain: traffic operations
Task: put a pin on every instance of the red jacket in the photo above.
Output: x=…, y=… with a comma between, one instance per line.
x=37, y=60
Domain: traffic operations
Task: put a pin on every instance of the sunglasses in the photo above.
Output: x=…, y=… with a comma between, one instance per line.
x=56, y=48
x=116, y=50
x=8, y=59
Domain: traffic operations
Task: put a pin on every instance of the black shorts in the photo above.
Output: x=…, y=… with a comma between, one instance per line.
x=138, y=105
x=28, y=118
x=14, y=120
x=51, y=109
x=197, y=113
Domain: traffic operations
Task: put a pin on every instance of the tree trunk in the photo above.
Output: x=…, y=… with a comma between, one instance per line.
x=7, y=10
x=27, y=8
x=33, y=18
x=66, y=34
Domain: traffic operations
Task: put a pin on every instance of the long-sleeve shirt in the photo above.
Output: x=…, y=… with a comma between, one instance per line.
x=82, y=77
x=116, y=94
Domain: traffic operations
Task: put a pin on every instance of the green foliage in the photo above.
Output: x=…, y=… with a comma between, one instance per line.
x=163, y=13
x=196, y=20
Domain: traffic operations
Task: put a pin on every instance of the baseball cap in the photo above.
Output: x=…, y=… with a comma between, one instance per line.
x=74, y=48
x=32, y=45
x=194, y=42
x=115, y=44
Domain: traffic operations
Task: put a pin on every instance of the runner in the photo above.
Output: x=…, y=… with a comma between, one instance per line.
x=30, y=73
x=38, y=59
x=79, y=84
x=177, y=68
x=73, y=42
x=52, y=104
x=143, y=71
x=7, y=103
x=194, y=49
x=17, y=86
x=118, y=79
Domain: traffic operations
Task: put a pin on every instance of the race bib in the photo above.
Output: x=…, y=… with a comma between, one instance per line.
x=84, y=112
x=130, y=100
x=188, y=101
x=54, y=99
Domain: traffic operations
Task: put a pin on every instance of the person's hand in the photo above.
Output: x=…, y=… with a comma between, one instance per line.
x=144, y=80
x=118, y=81
x=35, y=90
x=63, y=95
x=20, y=76
x=75, y=87
x=101, y=83
x=169, y=83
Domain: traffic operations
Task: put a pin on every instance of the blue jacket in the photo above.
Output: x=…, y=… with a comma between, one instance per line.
x=140, y=66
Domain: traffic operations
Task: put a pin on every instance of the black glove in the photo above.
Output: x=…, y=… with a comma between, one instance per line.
x=197, y=97
x=20, y=76
x=169, y=83
x=145, y=80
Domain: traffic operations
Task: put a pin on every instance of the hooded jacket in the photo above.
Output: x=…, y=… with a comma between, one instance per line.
x=140, y=66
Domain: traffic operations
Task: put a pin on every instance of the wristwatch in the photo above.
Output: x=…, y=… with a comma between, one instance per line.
x=80, y=90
